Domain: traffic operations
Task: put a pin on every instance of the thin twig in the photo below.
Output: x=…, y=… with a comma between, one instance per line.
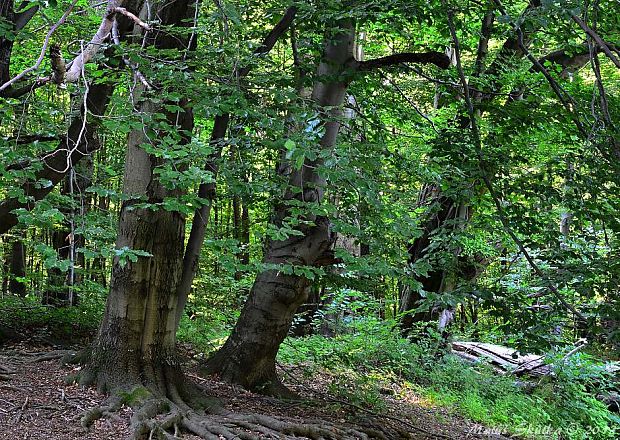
x=117, y=40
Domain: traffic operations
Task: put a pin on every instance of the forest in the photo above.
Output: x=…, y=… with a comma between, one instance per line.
x=310, y=219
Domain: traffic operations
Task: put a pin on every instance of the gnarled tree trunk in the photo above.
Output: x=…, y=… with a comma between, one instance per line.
x=248, y=356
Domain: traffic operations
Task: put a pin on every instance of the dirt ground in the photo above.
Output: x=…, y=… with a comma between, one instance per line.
x=37, y=402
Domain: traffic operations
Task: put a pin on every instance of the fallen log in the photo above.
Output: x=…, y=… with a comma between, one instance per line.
x=507, y=360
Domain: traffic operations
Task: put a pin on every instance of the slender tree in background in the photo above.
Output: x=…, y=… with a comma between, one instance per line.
x=17, y=267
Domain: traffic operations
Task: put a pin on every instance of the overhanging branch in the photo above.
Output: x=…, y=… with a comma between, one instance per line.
x=439, y=59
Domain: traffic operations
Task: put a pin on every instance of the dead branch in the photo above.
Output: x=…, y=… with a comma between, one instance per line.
x=437, y=58
x=46, y=43
x=75, y=67
x=132, y=17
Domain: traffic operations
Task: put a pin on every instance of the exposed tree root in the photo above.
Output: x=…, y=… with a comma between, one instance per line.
x=51, y=355
x=76, y=357
x=5, y=372
x=157, y=417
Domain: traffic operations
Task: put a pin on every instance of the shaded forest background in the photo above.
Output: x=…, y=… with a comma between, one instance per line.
x=349, y=186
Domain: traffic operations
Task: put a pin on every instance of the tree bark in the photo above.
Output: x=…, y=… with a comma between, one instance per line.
x=248, y=356
x=443, y=210
x=510, y=52
x=17, y=268
x=135, y=345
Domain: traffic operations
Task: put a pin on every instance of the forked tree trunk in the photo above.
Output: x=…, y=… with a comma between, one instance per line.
x=248, y=356
x=471, y=269
x=136, y=340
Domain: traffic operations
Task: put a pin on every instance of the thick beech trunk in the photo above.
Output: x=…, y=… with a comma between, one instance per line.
x=135, y=345
x=136, y=339
x=248, y=356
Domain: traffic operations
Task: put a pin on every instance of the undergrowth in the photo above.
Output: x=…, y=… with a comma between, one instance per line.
x=367, y=361
x=372, y=360
x=20, y=316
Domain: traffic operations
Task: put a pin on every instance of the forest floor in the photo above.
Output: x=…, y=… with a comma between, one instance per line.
x=38, y=403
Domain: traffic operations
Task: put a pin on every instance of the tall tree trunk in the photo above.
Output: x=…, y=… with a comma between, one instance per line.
x=244, y=233
x=248, y=356
x=6, y=267
x=207, y=191
x=135, y=344
x=137, y=335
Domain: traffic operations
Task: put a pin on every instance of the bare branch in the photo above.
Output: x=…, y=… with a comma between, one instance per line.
x=132, y=17
x=76, y=66
x=127, y=61
x=46, y=43
x=91, y=49
x=271, y=38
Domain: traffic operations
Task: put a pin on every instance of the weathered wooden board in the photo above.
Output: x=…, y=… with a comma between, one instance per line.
x=507, y=359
